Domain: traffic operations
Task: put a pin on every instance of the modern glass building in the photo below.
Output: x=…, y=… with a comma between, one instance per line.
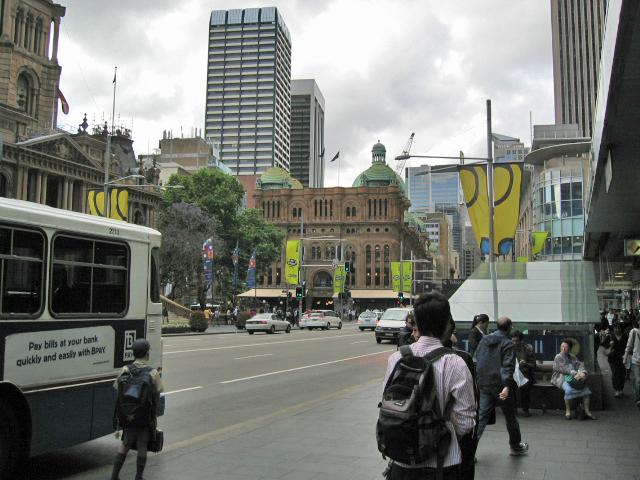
x=248, y=111
x=307, y=133
x=437, y=189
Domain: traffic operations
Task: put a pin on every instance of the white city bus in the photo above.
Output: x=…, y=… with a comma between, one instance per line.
x=75, y=292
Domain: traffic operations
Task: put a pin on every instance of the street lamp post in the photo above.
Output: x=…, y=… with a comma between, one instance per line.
x=489, y=160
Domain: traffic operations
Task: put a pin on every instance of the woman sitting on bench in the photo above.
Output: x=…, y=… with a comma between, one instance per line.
x=570, y=375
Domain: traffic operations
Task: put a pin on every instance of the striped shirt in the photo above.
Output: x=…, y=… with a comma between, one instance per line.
x=452, y=381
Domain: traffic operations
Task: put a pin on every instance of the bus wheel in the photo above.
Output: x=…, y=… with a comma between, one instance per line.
x=10, y=434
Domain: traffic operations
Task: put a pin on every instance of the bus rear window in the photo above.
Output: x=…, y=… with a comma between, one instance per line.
x=90, y=277
x=21, y=267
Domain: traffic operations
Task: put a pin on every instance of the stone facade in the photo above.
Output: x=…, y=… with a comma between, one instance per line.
x=39, y=163
x=366, y=222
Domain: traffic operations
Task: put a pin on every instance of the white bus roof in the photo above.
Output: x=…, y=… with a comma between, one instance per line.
x=48, y=217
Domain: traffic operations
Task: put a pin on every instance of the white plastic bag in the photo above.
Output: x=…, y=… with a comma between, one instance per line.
x=519, y=378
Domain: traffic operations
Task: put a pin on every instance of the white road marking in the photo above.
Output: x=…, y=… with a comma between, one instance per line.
x=183, y=390
x=333, y=337
x=360, y=341
x=304, y=368
x=254, y=356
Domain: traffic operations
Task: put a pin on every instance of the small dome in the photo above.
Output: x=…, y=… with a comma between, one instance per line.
x=379, y=174
x=379, y=148
x=276, y=178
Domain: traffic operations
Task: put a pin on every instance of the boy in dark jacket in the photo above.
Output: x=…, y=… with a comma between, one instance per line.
x=138, y=435
x=495, y=364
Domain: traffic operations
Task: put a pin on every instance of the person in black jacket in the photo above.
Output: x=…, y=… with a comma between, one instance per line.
x=615, y=344
x=495, y=363
x=410, y=333
x=478, y=330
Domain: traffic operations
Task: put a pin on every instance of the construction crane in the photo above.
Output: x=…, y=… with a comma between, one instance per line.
x=406, y=154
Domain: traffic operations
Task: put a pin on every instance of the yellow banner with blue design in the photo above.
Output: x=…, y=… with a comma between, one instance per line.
x=407, y=275
x=537, y=241
x=292, y=267
x=338, y=279
x=119, y=203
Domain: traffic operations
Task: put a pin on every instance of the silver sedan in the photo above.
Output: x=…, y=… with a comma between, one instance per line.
x=267, y=322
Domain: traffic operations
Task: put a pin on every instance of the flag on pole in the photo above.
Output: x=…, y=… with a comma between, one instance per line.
x=251, y=271
x=114, y=75
x=335, y=157
x=63, y=101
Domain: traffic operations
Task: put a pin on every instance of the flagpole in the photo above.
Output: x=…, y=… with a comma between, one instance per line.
x=107, y=153
x=492, y=257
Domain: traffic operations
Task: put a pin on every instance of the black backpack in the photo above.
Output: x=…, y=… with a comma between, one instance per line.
x=135, y=397
x=411, y=428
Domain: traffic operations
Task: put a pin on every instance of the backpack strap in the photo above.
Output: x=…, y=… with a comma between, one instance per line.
x=434, y=355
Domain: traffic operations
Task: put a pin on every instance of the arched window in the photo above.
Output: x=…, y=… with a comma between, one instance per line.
x=294, y=212
x=387, y=265
x=25, y=93
x=28, y=32
x=369, y=208
x=353, y=211
x=326, y=210
x=315, y=208
x=330, y=208
x=17, y=26
x=322, y=280
x=348, y=212
x=264, y=212
x=368, y=264
x=378, y=265
x=352, y=274
x=385, y=207
x=37, y=47
x=278, y=209
x=138, y=217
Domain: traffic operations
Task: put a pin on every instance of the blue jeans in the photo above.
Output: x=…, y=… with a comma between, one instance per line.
x=489, y=399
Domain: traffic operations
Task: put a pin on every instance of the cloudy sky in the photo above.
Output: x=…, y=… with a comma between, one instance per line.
x=386, y=68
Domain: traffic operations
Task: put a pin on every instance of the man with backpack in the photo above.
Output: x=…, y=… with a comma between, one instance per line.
x=428, y=401
x=495, y=363
x=139, y=387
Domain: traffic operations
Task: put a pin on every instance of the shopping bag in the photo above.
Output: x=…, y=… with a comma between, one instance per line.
x=519, y=378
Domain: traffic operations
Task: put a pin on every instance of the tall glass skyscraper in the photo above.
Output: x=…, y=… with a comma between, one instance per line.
x=437, y=189
x=248, y=113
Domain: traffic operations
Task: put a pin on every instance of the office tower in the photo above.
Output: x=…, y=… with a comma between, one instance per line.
x=248, y=111
x=508, y=149
x=577, y=27
x=307, y=133
x=437, y=189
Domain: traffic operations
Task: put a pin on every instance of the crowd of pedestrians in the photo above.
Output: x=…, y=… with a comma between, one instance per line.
x=498, y=368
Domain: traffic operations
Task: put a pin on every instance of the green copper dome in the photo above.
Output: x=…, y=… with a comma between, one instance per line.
x=379, y=174
x=276, y=178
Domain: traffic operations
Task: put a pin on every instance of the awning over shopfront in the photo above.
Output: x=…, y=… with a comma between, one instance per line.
x=267, y=293
x=537, y=292
x=373, y=294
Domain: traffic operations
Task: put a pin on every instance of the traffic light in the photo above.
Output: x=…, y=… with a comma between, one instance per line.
x=299, y=292
x=347, y=267
x=401, y=296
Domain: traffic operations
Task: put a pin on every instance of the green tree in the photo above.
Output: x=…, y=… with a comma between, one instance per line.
x=219, y=194
x=254, y=232
x=184, y=228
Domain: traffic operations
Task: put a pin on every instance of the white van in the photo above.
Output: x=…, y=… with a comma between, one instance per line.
x=391, y=324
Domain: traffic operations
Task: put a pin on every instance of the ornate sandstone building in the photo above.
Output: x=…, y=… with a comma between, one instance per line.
x=38, y=162
x=363, y=224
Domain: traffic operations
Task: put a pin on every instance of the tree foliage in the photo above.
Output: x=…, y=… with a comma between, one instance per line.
x=210, y=202
x=184, y=227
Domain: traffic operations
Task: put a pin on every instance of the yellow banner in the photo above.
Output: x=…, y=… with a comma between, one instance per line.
x=119, y=205
x=338, y=279
x=95, y=200
x=537, y=241
x=473, y=179
x=507, y=180
x=293, y=262
x=522, y=259
x=407, y=274
x=395, y=276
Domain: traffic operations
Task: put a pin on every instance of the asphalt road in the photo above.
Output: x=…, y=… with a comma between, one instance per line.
x=216, y=383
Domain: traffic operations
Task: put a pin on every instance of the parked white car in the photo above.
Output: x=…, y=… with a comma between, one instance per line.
x=324, y=319
x=267, y=322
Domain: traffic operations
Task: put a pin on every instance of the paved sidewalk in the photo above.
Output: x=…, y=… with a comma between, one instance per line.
x=333, y=438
